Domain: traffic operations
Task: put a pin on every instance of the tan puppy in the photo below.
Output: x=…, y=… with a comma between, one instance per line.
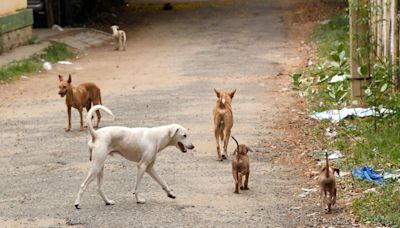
x=223, y=120
x=120, y=38
x=327, y=183
x=241, y=167
x=80, y=97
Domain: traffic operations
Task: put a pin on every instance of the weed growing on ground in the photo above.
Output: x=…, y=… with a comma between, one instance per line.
x=55, y=52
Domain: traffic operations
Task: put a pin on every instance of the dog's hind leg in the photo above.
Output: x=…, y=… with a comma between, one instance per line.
x=152, y=172
x=100, y=188
x=97, y=164
x=92, y=174
x=141, y=169
x=227, y=135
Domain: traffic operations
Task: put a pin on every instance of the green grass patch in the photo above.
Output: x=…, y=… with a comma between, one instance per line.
x=381, y=207
x=330, y=32
x=55, y=52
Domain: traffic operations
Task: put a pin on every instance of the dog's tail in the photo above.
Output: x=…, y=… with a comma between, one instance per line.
x=90, y=115
x=237, y=144
x=327, y=165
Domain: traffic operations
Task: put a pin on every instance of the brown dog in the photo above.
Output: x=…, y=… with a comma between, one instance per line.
x=223, y=120
x=327, y=183
x=241, y=167
x=80, y=97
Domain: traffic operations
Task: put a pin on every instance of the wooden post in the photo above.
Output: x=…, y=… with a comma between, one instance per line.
x=394, y=46
x=358, y=38
x=386, y=29
x=379, y=28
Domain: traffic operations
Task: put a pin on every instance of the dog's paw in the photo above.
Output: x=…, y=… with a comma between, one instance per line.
x=67, y=129
x=140, y=201
x=172, y=196
x=110, y=202
x=236, y=192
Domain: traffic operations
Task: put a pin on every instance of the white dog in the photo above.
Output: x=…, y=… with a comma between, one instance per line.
x=140, y=145
x=120, y=38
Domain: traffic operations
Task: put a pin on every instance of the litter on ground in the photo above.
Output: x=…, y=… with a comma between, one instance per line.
x=65, y=62
x=306, y=192
x=392, y=174
x=368, y=174
x=337, y=115
x=47, y=66
x=338, y=78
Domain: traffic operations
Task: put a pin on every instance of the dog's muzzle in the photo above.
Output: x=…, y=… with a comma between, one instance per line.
x=183, y=147
x=62, y=94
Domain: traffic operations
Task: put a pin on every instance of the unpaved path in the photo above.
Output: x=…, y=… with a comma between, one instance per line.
x=173, y=61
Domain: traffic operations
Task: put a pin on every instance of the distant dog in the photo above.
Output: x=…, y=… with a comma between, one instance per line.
x=223, y=120
x=120, y=38
x=80, y=97
x=140, y=145
x=327, y=183
x=241, y=166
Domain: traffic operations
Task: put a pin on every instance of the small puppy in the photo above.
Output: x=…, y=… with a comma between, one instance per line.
x=120, y=38
x=80, y=97
x=327, y=183
x=241, y=167
x=223, y=120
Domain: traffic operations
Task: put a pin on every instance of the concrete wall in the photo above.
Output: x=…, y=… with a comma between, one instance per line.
x=15, y=24
x=10, y=6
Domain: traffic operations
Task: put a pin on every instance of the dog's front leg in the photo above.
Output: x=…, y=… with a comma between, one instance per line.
x=141, y=169
x=100, y=188
x=69, y=118
x=152, y=172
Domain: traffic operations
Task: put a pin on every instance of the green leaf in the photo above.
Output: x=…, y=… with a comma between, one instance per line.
x=332, y=95
x=384, y=87
x=361, y=52
x=335, y=57
x=362, y=70
x=342, y=55
x=335, y=64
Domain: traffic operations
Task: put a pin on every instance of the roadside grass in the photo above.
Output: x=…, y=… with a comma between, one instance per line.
x=381, y=207
x=55, y=52
x=331, y=31
x=372, y=141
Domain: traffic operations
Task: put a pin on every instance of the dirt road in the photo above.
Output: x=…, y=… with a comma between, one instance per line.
x=173, y=61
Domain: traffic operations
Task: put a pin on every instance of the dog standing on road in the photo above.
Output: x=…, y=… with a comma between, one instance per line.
x=120, y=38
x=327, y=183
x=241, y=167
x=223, y=120
x=140, y=145
x=80, y=97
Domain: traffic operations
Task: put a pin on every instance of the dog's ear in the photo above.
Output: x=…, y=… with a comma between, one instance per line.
x=173, y=131
x=69, y=79
x=231, y=94
x=217, y=93
x=60, y=78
